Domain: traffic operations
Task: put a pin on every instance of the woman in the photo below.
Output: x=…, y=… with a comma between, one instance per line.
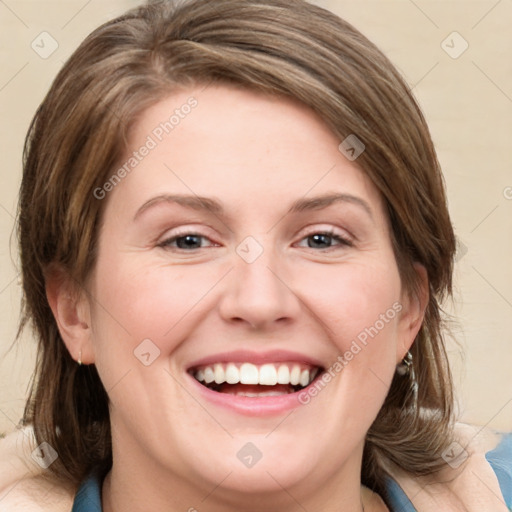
x=234, y=241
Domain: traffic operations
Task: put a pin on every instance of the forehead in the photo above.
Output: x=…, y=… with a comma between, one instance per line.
x=238, y=145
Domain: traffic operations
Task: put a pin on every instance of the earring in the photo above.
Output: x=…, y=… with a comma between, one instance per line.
x=79, y=358
x=405, y=367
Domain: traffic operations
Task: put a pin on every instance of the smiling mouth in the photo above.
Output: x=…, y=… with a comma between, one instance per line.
x=251, y=380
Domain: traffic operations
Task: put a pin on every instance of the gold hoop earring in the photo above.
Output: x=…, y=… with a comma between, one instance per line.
x=79, y=358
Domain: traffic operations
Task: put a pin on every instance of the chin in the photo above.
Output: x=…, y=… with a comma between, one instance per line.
x=262, y=464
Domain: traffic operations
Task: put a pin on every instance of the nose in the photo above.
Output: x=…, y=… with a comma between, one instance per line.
x=258, y=294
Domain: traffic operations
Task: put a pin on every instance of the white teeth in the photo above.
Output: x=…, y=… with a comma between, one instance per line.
x=209, y=376
x=268, y=375
x=253, y=395
x=295, y=375
x=249, y=374
x=265, y=375
x=219, y=373
x=304, y=378
x=232, y=374
x=283, y=375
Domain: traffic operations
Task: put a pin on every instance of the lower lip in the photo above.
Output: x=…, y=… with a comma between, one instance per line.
x=251, y=406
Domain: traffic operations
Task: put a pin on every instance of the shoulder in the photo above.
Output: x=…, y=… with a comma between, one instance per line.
x=477, y=475
x=24, y=483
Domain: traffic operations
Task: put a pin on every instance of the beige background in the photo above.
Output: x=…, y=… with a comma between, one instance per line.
x=468, y=104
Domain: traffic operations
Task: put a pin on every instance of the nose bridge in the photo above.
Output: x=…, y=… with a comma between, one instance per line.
x=256, y=292
x=256, y=268
x=260, y=277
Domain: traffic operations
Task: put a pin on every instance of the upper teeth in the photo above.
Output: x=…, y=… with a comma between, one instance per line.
x=248, y=373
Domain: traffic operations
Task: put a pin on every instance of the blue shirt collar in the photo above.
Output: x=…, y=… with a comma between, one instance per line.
x=88, y=497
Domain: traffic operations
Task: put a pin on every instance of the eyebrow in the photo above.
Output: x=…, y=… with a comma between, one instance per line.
x=212, y=205
x=319, y=202
x=194, y=202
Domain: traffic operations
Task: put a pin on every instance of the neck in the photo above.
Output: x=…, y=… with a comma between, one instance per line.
x=115, y=499
x=139, y=485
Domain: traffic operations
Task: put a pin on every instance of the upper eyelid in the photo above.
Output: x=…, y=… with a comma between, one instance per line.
x=308, y=229
x=344, y=240
x=180, y=231
x=331, y=230
x=175, y=237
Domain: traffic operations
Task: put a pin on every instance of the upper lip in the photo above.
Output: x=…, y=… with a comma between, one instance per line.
x=257, y=358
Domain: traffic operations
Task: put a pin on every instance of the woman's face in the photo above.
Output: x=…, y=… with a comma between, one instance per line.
x=243, y=244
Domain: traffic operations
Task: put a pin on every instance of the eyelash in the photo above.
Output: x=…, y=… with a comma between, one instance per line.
x=341, y=240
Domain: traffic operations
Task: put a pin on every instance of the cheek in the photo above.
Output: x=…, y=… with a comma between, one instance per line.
x=135, y=302
x=356, y=301
x=359, y=306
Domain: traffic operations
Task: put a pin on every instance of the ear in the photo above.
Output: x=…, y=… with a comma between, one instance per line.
x=70, y=307
x=414, y=303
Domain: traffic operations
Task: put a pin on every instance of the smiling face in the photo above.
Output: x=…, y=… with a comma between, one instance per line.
x=246, y=312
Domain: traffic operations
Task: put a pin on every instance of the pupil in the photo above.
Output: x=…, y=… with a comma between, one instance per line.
x=319, y=240
x=189, y=241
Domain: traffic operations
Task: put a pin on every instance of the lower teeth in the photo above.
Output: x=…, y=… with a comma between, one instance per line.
x=258, y=395
x=228, y=390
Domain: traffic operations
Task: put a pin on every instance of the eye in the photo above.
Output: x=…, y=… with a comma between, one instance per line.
x=186, y=241
x=325, y=240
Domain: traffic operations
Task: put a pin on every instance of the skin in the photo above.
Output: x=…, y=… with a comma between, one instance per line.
x=172, y=448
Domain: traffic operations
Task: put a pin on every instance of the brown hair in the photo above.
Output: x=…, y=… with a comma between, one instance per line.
x=278, y=47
